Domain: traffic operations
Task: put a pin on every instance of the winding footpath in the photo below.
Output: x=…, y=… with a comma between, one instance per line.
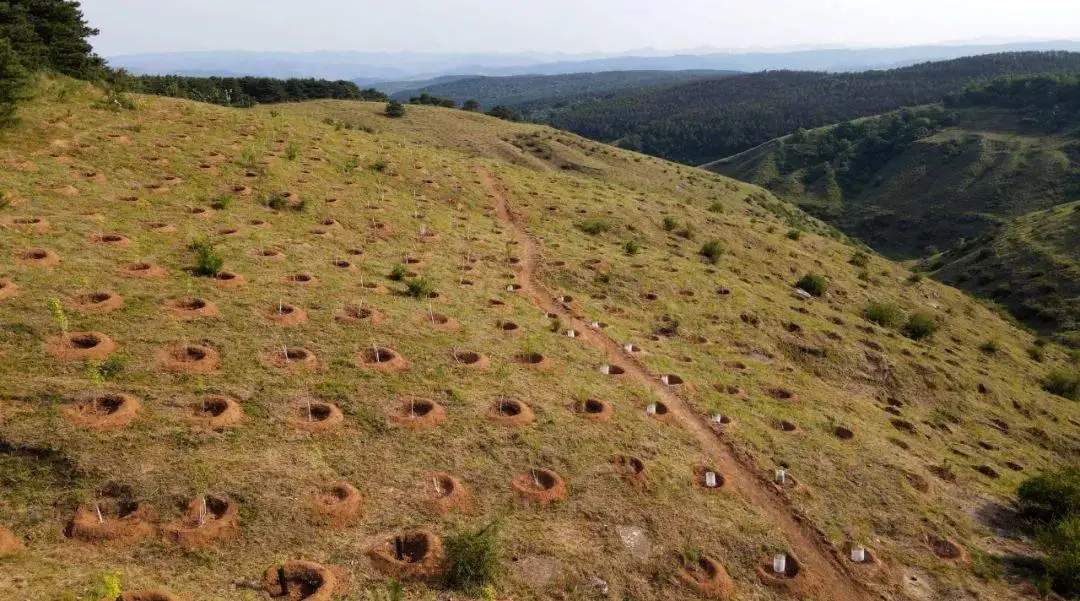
x=823, y=569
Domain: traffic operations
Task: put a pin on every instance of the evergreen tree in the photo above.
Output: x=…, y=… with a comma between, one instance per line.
x=395, y=109
x=51, y=35
x=12, y=83
x=471, y=105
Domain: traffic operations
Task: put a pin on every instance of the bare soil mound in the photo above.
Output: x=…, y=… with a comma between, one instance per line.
x=540, y=486
x=217, y=412
x=189, y=358
x=299, y=581
x=77, y=346
x=208, y=519
x=339, y=504
x=103, y=411
x=409, y=555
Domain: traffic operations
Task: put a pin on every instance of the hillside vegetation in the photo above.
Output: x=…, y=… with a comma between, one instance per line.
x=920, y=181
x=382, y=360
x=706, y=120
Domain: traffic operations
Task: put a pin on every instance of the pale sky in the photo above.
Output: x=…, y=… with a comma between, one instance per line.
x=573, y=26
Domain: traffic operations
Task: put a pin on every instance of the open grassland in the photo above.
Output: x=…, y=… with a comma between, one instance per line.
x=894, y=445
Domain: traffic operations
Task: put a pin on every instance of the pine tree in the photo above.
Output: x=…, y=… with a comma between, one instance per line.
x=12, y=83
x=395, y=109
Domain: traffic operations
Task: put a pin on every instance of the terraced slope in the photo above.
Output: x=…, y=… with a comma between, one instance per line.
x=308, y=421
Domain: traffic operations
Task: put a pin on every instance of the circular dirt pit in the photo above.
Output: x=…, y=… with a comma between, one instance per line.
x=343, y=265
x=98, y=302
x=781, y=394
x=103, y=411
x=316, y=417
x=870, y=561
x=790, y=579
x=285, y=314
x=659, y=410
x=650, y=296
x=987, y=471
x=469, y=359
x=510, y=412
x=509, y=327
x=1016, y=467
x=35, y=225
x=339, y=504
x=144, y=270
x=160, y=227
x=268, y=254
x=534, y=360
x=217, y=412
x=292, y=358
x=299, y=581
x=672, y=380
x=113, y=240
x=7, y=288
x=189, y=358
x=947, y=549
x=446, y=492
x=207, y=520
x=39, y=257
x=630, y=468
x=702, y=479
x=260, y=224
x=381, y=359
x=301, y=279
x=843, y=433
x=539, y=486
x=147, y=595
x=707, y=576
x=353, y=314
x=122, y=520
x=409, y=555
x=373, y=287
x=596, y=409
x=229, y=279
x=190, y=309
x=439, y=321
x=786, y=426
x=418, y=414
x=77, y=346
x=736, y=365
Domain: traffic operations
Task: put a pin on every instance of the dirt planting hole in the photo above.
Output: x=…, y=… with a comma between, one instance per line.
x=781, y=394
x=786, y=426
x=84, y=341
x=945, y=548
x=509, y=326
x=672, y=380
x=987, y=471
x=530, y=358
x=843, y=433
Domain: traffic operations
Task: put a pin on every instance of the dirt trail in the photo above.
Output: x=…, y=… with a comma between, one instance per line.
x=819, y=560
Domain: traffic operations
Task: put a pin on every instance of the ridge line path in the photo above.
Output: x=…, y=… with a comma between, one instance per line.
x=819, y=561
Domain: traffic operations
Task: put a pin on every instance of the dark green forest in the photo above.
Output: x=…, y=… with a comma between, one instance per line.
x=708, y=119
x=249, y=91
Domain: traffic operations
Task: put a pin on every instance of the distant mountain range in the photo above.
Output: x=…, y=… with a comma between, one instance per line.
x=368, y=68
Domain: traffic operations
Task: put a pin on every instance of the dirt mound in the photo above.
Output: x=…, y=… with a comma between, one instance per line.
x=409, y=555
x=793, y=579
x=144, y=270
x=103, y=411
x=660, y=411
x=708, y=577
x=35, y=225
x=780, y=394
x=469, y=359
x=439, y=321
x=208, y=519
x=268, y=254
x=190, y=309
x=445, y=491
x=631, y=468
x=299, y=581
x=147, y=595
x=285, y=314
x=9, y=543
x=189, y=358
x=612, y=370
x=300, y=279
x=418, y=414
x=113, y=240
x=843, y=433
x=672, y=380
x=292, y=358
x=98, y=302
x=229, y=279
x=339, y=504
x=8, y=288
x=381, y=359
x=38, y=257
x=353, y=314
x=510, y=412
x=703, y=480
x=539, y=486
x=534, y=360
x=947, y=549
x=217, y=412
x=595, y=409
x=77, y=346
x=113, y=517
x=785, y=426
x=316, y=417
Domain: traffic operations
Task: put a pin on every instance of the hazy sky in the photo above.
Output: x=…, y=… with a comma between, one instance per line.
x=130, y=26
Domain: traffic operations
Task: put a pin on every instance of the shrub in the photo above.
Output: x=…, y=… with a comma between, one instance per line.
x=221, y=203
x=472, y=558
x=883, y=314
x=685, y=232
x=1050, y=497
x=793, y=234
x=920, y=326
x=990, y=347
x=669, y=224
x=419, y=288
x=379, y=165
x=631, y=248
x=398, y=273
x=5, y=199
x=292, y=150
x=915, y=277
x=13, y=83
x=207, y=262
x=594, y=227
x=1065, y=384
x=395, y=110
x=716, y=207
x=1036, y=353
x=859, y=259
x=1061, y=544
x=813, y=283
x=712, y=251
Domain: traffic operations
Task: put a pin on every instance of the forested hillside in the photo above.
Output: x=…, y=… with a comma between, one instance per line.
x=969, y=178
x=534, y=94
x=704, y=120
x=249, y=91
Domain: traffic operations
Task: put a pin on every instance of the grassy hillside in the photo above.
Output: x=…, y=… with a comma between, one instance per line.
x=533, y=95
x=469, y=248
x=706, y=120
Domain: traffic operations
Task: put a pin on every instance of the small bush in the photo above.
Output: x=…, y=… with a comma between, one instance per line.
x=1036, y=353
x=5, y=199
x=859, y=259
x=1065, y=384
x=398, y=273
x=990, y=347
x=419, y=288
x=395, y=110
x=1061, y=543
x=716, y=207
x=207, y=262
x=594, y=227
x=472, y=558
x=109, y=368
x=379, y=165
x=915, y=277
x=292, y=150
x=920, y=326
x=884, y=314
x=669, y=224
x=631, y=248
x=685, y=232
x=813, y=283
x=221, y=203
x=1050, y=497
x=793, y=234
x=712, y=251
